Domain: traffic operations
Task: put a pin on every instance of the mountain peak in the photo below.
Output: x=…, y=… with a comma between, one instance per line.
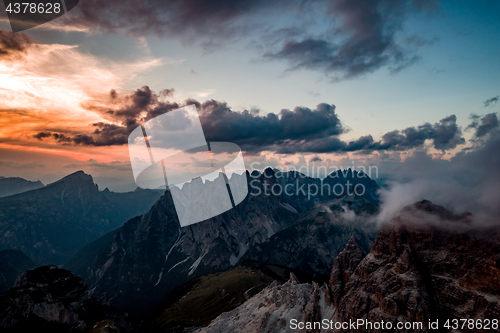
x=269, y=172
x=78, y=173
x=78, y=177
x=431, y=208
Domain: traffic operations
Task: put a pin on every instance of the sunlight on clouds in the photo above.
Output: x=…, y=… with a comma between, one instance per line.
x=50, y=85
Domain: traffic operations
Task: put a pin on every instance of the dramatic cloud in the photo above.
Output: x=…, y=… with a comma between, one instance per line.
x=253, y=131
x=187, y=18
x=491, y=101
x=365, y=39
x=484, y=125
x=469, y=181
x=348, y=37
x=141, y=105
x=33, y=73
x=301, y=130
x=443, y=135
x=220, y=123
x=13, y=45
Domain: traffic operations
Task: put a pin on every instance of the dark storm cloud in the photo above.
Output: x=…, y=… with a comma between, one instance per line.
x=484, y=125
x=141, y=105
x=60, y=138
x=301, y=130
x=142, y=100
x=253, y=131
x=444, y=135
x=354, y=38
x=42, y=135
x=187, y=18
x=364, y=40
x=316, y=159
x=13, y=45
x=491, y=101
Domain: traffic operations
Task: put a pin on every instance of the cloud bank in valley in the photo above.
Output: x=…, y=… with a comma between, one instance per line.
x=469, y=181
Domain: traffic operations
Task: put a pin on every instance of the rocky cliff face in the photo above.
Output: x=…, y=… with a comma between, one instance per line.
x=48, y=298
x=273, y=308
x=426, y=264
x=319, y=235
x=138, y=265
x=151, y=254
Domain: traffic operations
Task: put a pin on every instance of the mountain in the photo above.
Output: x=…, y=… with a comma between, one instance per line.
x=15, y=185
x=12, y=263
x=200, y=300
x=54, y=300
x=51, y=223
x=272, y=309
x=426, y=264
x=139, y=264
x=319, y=235
x=133, y=203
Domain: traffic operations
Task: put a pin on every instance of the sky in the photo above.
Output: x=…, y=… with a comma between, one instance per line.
x=328, y=82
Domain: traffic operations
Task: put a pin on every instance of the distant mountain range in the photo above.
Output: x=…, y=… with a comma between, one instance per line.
x=51, y=223
x=136, y=266
x=15, y=185
x=427, y=263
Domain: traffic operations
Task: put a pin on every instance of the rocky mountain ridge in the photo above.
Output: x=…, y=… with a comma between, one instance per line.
x=52, y=299
x=415, y=272
x=319, y=235
x=138, y=265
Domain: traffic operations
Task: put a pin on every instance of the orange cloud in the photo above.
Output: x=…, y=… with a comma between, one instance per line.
x=49, y=87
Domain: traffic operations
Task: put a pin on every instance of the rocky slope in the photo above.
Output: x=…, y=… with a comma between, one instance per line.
x=199, y=301
x=15, y=185
x=137, y=266
x=273, y=308
x=426, y=264
x=319, y=235
x=52, y=299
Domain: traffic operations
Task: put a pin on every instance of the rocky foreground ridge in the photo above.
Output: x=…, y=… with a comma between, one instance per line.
x=54, y=300
x=426, y=264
